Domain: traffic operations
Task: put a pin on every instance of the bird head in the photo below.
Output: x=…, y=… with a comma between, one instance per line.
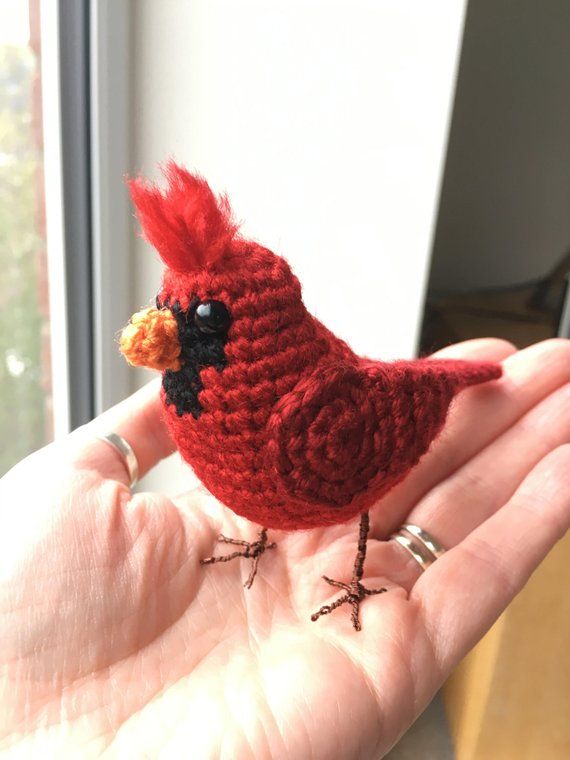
x=217, y=287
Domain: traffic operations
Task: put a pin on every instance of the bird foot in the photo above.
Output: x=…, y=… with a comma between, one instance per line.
x=355, y=593
x=251, y=550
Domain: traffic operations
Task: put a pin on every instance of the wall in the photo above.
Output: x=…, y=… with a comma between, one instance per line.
x=506, y=195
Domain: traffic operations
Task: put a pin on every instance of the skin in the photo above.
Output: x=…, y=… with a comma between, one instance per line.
x=116, y=642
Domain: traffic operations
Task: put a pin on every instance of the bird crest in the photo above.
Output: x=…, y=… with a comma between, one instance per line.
x=187, y=224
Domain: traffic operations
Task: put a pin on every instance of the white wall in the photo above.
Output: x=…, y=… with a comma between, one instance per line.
x=326, y=123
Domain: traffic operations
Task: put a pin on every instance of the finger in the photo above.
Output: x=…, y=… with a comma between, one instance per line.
x=465, y=591
x=478, y=416
x=478, y=349
x=138, y=419
x=391, y=510
x=477, y=489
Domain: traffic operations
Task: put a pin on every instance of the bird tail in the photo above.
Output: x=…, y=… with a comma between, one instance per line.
x=463, y=373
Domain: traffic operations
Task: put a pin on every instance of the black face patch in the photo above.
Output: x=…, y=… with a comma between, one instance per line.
x=199, y=349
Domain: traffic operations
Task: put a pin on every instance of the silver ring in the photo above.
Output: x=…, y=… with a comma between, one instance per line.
x=126, y=452
x=428, y=541
x=418, y=542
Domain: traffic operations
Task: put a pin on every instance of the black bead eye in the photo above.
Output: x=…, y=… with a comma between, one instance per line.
x=212, y=317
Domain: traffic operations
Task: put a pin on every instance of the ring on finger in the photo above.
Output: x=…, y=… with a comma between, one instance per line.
x=125, y=451
x=423, y=547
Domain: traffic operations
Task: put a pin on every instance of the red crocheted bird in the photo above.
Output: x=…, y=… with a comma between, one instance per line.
x=278, y=417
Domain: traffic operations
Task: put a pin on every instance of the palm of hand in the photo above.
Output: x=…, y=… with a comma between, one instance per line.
x=148, y=637
x=115, y=632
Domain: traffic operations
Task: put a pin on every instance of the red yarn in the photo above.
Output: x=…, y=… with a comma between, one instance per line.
x=295, y=430
x=187, y=225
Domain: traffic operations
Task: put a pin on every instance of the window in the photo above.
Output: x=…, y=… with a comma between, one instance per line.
x=25, y=372
x=63, y=106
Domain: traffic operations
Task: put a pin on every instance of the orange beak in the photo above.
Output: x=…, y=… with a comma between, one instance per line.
x=151, y=340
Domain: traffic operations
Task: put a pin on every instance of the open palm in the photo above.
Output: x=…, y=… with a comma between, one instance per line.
x=116, y=639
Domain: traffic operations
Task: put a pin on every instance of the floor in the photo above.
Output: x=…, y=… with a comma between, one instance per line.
x=427, y=739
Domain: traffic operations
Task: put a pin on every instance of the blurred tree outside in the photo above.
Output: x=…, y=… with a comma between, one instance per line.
x=24, y=354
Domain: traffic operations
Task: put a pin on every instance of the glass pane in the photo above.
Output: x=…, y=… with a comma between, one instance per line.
x=25, y=376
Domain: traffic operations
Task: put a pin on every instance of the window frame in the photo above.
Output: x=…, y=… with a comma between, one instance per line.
x=111, y=219
x=85, y=122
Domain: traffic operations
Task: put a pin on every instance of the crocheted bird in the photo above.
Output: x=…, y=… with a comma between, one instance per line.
x=278, y=417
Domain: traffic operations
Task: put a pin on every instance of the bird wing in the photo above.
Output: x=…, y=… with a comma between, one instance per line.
x=346, y=434
x=344, y=430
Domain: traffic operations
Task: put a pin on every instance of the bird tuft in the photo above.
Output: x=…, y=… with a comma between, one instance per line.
x=187, y=224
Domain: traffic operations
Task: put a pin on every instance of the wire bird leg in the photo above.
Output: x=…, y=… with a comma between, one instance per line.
x=355, y=591
x=252, y=550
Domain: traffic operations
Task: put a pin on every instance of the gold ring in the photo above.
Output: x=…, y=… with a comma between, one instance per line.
x=124, y=449
x=418, y=542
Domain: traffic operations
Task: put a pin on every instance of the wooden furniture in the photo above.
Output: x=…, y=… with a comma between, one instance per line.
x=510, y=698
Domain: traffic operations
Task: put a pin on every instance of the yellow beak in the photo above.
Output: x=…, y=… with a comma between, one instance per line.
x=151, y=340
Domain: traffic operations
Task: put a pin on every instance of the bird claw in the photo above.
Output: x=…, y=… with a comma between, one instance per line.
x=355, y=593
x=251, y=550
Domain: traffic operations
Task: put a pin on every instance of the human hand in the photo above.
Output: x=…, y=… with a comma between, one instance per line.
x=115, y=638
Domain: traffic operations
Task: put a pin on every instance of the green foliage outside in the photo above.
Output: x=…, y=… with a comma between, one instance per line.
x=22, y=397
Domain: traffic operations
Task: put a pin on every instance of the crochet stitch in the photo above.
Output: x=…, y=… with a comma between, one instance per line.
x=151, y=340
x=199, y=349
x=278, y=417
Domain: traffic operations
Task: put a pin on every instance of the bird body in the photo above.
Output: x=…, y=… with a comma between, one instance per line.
x=278, y=417
x=317, y=445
